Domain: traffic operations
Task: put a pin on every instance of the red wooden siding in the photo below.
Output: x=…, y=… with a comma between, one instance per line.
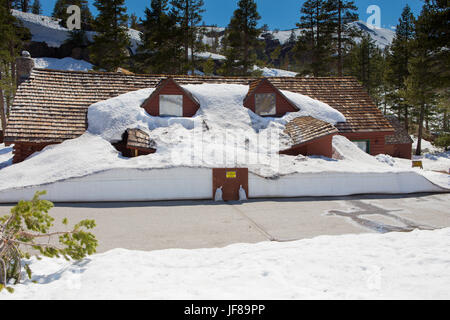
x=319, y=147
x=190, y=107
x=400, y=150
x=283, y=105
x=376, y=138
x=21, y=151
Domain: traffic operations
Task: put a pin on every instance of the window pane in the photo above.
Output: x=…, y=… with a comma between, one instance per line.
x=171, y=105
x=265, y=104
x=363, y=145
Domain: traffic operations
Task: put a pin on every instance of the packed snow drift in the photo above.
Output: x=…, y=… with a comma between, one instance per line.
x=368, y=266
x=223, y=133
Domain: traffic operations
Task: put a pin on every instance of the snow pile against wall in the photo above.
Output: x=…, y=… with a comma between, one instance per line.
x=6, y=155
x=68, y=64
x=222, y=134
x=367, y=266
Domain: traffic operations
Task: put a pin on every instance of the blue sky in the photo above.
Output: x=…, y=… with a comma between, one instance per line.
x=278, y=14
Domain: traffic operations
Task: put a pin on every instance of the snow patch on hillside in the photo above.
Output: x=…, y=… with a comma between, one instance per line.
x=366, y=266
x=272, y=72
x=69, y=64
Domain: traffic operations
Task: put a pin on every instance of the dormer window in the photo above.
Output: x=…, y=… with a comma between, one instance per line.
x=171, y=105
x=265, y=104
x=169, y=99
x=266, y=100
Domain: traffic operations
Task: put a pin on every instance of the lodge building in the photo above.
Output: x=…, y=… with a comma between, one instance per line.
x=51, y=106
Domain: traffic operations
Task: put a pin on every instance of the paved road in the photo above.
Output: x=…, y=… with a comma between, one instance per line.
x=203, y=224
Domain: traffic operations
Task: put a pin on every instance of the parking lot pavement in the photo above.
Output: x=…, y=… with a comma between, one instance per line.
x=205, y=224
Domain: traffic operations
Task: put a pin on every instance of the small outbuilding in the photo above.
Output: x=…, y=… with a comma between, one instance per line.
x=266, y=100
x=399, y=144
x=135, y=143
x=310, y=137
x=171, y=100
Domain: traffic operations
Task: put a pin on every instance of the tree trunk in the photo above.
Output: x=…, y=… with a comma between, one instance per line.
x=186, y=34
x=406, y=119
x=419, y=136
x=340, y=63
x=2, y=111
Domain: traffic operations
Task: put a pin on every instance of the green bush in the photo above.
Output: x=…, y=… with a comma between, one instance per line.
x=26, y=226
x=443, y=141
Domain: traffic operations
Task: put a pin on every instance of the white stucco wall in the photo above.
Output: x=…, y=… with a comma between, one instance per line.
x=196, y=183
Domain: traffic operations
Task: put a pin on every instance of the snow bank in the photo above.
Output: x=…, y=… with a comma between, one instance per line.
x=6, y=155
x=69, y=64
x=367, y=266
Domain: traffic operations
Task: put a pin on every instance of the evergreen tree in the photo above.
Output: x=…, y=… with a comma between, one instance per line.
x=36, y=7
x=397, y=62
x=314, y=45
x=160, y=50
x=12, y=36
x=342, y=13
x=134, y=22
x=428, y=78
x=110, y=48
x=242, y=38
x=189, y=15
x=367, y=65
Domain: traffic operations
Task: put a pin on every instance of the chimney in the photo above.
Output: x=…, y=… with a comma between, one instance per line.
x=24, y=66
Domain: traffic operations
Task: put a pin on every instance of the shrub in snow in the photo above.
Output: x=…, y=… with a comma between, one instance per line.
x=29, y=222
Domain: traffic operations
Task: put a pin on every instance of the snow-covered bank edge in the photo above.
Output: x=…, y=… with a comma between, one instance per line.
x=366, y=266
x=139, y=185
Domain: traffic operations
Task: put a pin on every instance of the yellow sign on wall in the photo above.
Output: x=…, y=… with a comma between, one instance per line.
x=231, y=174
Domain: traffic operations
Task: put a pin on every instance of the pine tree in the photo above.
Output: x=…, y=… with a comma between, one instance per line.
x=397, y=62
x=242, y=38
x=428, y=78
x=12, y=35
x=342, y=14
x=36, y=7
x=134, y=22
x=160, y=49
x=367, y=65
x=189, y=15
x=110, y=48
x=315, y=42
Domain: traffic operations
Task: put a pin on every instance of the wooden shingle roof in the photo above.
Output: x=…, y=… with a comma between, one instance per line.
x=401, y=135
x=305, y=129
x=52, y=105
x=140, y=140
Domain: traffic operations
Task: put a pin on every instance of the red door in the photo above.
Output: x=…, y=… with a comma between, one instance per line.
x=230, y=180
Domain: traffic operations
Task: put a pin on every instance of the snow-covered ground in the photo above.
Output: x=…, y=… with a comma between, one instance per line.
x=6, y=155
x=367, y=266
x=48, y=30
x=69, y=64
